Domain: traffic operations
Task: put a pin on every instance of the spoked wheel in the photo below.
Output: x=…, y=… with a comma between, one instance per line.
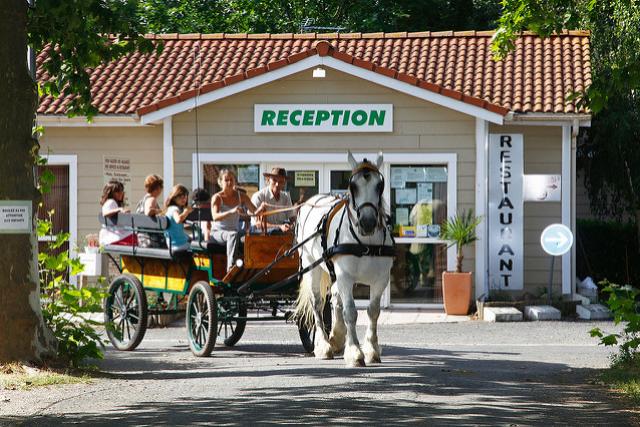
x=308, y=336
x=125, y=312
x=230, y=329
x=201, y=319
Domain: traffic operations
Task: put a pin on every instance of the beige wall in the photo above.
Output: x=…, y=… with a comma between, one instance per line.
x=227, y=126
x=419, y=126
x=142, y=145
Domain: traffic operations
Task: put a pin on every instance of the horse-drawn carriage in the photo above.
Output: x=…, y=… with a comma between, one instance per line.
x=341, y=242
x=263, y=285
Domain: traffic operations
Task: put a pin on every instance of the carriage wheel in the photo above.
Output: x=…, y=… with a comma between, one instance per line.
x=125, y=312
x=201, y=319
x=230, y=329
x=308, y=336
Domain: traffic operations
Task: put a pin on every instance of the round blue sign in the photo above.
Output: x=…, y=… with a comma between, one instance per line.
x=556, y=239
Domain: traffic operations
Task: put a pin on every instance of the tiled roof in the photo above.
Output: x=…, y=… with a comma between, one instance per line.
x=536, y=77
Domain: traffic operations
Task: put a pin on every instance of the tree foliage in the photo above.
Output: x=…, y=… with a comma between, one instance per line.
x=278, y=16
x=79, y=35
x=65, y=308
x=611, y=153
x=615, y=39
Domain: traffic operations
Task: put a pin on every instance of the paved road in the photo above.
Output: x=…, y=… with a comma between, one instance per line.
x=467, y=373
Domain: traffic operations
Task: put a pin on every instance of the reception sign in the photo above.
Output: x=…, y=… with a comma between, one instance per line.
x=323, y=118
x=505, y=214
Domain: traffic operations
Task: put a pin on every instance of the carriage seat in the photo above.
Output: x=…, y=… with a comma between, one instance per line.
x=138, y=223
x=209, y=247
x=158, y=253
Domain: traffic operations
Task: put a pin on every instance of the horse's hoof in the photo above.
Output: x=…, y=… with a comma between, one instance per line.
x=358, y=363
x=323, y=353
x=373, y=360
x=337, y=350
x=327, y=356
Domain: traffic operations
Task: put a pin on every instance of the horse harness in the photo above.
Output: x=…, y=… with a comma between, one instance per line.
x=358, y=249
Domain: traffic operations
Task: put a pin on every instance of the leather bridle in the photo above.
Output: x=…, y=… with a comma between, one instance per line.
x=363, y=167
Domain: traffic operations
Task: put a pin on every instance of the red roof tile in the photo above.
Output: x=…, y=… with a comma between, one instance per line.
x=536, y=77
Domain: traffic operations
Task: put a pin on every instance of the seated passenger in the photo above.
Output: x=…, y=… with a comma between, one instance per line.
x=148, y=205
x=112, y=202
x=201, y=199
x=177, y=209
x=226, y=208
x=272, y=197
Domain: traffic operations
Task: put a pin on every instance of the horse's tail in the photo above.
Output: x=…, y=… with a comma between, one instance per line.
x=304, y=303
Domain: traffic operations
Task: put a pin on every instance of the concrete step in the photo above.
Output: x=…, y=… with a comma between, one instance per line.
x=593, y=312
x=502, y=314
x=541, y=312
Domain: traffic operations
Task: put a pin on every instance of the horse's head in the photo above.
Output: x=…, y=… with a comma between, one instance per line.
x=365, y=189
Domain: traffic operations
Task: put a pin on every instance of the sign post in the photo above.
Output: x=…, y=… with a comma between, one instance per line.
x=556, y=240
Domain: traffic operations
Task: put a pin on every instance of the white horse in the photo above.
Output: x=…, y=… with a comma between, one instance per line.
x=363, y=253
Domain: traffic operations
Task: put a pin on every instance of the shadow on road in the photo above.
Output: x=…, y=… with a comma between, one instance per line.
x=421, y=386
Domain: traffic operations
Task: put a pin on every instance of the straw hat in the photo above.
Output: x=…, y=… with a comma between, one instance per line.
x=276, y=172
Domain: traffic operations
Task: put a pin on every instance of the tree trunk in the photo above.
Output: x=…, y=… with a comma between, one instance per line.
x=638, y=227
x=23, y=335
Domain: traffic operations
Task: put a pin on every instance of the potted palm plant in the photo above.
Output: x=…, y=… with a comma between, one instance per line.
x=459, y=230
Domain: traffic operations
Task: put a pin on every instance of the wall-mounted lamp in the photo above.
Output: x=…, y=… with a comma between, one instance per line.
x=319, y=73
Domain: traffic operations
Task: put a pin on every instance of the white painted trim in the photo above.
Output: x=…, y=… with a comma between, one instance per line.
x=70, y=160
x=98, y=121
x=482, y=148
x=547, y=119
x=409, y=306
x=326, y=61
x=574, y=145
x=536, y=123
x=167, y=154
x=566, y=204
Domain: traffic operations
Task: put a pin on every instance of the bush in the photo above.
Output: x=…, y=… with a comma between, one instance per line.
x=63, y=305
x=608, y=251
x=624, y=303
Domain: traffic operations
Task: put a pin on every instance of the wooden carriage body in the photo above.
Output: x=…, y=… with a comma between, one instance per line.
x=264, y=281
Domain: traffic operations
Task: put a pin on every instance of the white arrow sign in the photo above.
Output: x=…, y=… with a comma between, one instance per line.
x=556, y=239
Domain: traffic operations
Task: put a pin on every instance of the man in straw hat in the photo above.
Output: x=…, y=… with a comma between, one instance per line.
x=273, y=196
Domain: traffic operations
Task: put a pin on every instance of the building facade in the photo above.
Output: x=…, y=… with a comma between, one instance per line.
x=458, y=131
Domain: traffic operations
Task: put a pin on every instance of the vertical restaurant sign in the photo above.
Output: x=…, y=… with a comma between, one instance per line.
x=506, y=240
x=118, y=168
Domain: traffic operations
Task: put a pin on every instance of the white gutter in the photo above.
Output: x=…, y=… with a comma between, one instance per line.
x=98, y=121
x=547, y=119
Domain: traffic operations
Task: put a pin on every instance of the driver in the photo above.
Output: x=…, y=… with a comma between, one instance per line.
x=273, y=196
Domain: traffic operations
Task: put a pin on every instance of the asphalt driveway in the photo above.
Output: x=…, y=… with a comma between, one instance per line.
x=466, y=373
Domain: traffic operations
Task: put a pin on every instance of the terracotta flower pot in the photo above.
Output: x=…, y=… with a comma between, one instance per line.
x=456, y=291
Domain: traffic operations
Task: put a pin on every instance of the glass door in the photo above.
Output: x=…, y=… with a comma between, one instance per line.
x=337, y=178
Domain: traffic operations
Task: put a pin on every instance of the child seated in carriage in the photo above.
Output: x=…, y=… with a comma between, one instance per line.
x=177, y=209
x=112, y=202
x=148, y=205
x=201, y=199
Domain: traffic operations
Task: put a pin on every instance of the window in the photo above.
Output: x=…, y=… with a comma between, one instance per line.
x=418, y=202
x=248, y=176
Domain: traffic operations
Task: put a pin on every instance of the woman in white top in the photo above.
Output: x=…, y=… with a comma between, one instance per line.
x=227, y=206
x=112, y=202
